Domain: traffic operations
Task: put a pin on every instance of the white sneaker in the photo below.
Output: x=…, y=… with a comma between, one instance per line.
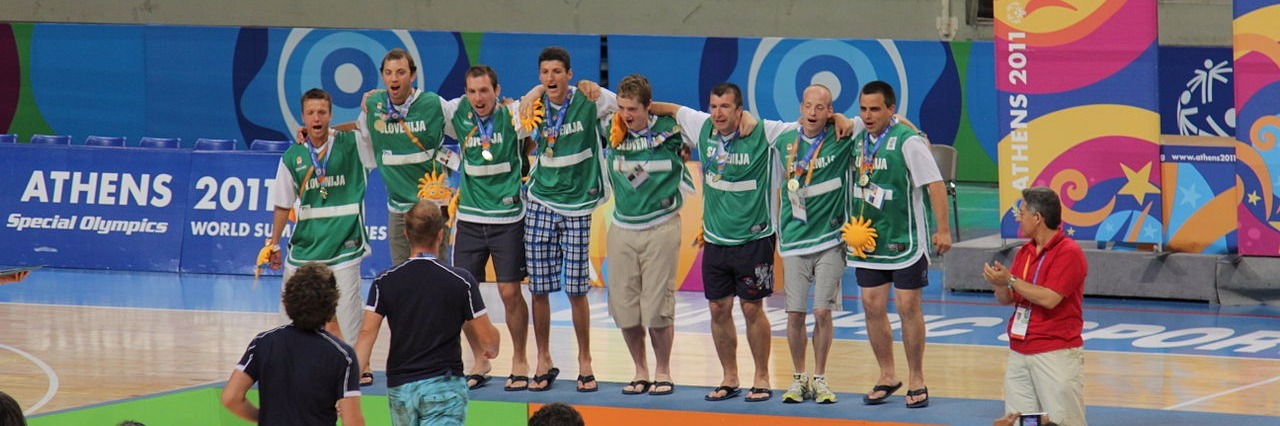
x=822, y=393
x=799, y=389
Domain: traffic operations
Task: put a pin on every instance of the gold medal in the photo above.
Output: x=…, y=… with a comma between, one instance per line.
x=488, y=156
x=864, y=180
x=715, y=178
x=324, y=193
x=550, y=152
x=793, y=184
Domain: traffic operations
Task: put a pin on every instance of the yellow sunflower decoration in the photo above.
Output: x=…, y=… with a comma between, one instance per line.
x=859, y=236
x=617, y=131
x=434, y=186
x=532, y=115
x=700, y=239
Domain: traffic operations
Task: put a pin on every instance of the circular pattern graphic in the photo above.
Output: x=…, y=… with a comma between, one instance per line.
x=782, y=68
x=344, y=63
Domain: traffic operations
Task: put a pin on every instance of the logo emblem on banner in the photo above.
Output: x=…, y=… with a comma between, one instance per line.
x=1198, y=112
x=342, y=62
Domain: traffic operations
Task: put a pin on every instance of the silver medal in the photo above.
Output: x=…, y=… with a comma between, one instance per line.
x=488, y=156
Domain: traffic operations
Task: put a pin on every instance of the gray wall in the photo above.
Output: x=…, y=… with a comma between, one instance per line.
x=1182, y=22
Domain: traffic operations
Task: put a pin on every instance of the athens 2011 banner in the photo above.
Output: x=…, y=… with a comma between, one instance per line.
x=1077, y=111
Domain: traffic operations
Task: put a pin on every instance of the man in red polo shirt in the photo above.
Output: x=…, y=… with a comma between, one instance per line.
x=1045, y=371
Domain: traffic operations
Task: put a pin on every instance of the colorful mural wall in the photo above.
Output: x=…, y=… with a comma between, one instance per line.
x=1257, y=90
x=1077, y=111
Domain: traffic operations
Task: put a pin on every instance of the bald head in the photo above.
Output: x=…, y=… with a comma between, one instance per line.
x=815, y=109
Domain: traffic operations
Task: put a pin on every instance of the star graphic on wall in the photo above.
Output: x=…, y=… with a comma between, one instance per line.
x=1189, y=195
x=1253, y=198
x=1150, y=231
x=1071, y=232
x=1138, y=183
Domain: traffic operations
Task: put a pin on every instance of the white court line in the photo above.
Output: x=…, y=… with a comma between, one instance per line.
x=53, y=378
x=1202, y=399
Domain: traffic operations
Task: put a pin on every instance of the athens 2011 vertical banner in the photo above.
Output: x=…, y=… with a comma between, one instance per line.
x=1257, y=68
x=1077, y=111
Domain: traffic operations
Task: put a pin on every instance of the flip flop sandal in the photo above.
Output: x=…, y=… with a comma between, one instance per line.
x=514, y=378
x=549, y=377
x=671, y=387
x=585, y=380
x=887, y=389
x=729, y=392
x=921, y=403
x=768, y=393
x=479, y=379
x=637, y=387
x=366, y=376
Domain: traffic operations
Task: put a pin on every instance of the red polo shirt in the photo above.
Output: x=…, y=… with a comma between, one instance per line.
x=1060, y=267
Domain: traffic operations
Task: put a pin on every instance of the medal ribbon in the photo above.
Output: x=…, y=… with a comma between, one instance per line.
x=803, y=166
x=723, y=143
x=552, y=131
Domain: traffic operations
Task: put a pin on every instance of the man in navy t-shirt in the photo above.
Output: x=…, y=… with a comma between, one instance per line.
x=302, y=371
x=427, y=303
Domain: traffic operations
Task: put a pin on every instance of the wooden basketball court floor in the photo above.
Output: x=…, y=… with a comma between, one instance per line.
x=74, y=338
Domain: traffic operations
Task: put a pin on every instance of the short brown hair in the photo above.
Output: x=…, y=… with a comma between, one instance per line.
x=316, y=93
x=723, y=88
x=399, y=53
x=311, y=296
x=423, y=223
x=636, y=87
x=483, y=70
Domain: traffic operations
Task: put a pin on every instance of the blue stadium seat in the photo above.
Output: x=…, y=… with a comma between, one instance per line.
x=203, y=144
x=149, y=142
x=10, y=138
x=104, y=141
x=269, y=146
x=51, y=139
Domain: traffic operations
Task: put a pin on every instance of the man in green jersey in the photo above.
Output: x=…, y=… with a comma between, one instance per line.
x=326, y=175
x=738, y=224
x=815, y=165
x=490, y=212
x=892, y=166
x=566, y=183
x=404, y=127
x=647, y=174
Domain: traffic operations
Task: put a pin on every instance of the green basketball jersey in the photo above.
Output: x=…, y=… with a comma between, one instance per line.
x=736, y=199
x=566, y=175
x=401, y=161
x=647, y=174
x=900, y=219
x=490, y=188
x=330, y=226
x=821, y=188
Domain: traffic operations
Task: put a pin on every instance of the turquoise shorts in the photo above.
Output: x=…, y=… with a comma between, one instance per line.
x=436, y=401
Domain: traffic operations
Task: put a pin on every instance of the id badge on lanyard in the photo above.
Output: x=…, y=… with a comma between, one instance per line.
x=1022, y=315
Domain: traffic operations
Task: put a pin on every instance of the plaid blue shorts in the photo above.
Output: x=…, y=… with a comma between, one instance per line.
x=556, y=244
x=436, y=401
